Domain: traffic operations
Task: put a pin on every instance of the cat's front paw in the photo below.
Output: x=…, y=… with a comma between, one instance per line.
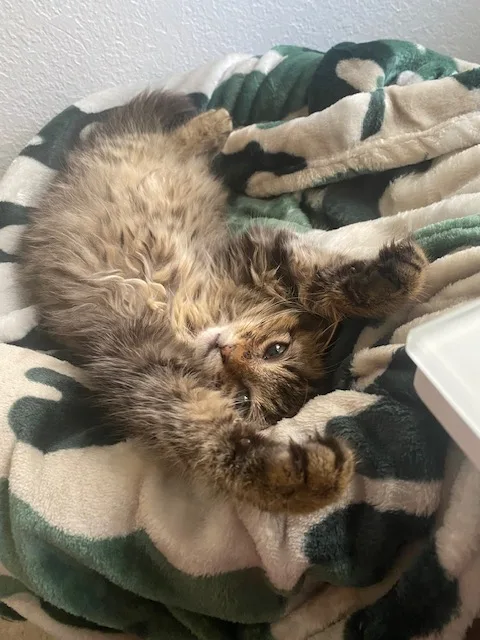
x=289, y=477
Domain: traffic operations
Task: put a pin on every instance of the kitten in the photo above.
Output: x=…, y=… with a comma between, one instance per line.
x=194, y=339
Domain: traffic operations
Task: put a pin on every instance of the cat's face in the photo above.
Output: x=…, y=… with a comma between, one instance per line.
x=269, y=364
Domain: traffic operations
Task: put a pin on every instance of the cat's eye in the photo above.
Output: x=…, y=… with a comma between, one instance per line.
x=243, y=401
x=275, y=350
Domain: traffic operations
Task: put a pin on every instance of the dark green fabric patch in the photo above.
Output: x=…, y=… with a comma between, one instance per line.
x=7, y=613
x=11, y=213
x=255, y=97
x=7, y=257
x=10, y=586
x=38, y=340
x=373, y=120
x=237, y=168
x=469, y=79
x=335, y=88
x=357, y=545
x=284, y=211
x=349, y=201
x=60, y=135
x=73, y=621
x=51, y=425
x=392, y=56
x=236, y=95
x=396, y=437
x=423, y=601
x=444, y=237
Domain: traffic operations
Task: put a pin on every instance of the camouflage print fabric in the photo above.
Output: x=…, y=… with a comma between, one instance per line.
x=350, y=148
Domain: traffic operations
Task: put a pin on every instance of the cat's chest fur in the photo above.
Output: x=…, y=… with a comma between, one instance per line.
x=159, y=221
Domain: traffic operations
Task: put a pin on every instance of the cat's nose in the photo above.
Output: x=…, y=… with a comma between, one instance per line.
x=226, y=351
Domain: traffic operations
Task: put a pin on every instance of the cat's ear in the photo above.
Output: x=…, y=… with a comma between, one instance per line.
x=206, y=133
x=263, y=257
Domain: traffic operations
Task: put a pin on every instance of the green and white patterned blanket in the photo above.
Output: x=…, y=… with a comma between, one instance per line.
x=96, y=541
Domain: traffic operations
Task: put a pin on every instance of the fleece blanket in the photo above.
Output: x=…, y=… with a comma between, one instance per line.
x=351, y=148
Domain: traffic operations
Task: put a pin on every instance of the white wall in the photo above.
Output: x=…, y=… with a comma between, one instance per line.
x=55, y=51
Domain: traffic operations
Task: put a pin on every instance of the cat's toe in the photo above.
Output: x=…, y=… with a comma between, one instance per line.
x=221, y=123
x=403, y=265
x=323, y=469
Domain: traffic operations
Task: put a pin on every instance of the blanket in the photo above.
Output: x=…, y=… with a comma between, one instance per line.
x=350, y=148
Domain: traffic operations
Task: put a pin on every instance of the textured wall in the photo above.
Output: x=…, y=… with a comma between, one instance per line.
x=55, y=51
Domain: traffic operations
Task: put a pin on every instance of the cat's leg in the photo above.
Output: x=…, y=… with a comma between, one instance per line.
x=197, y=431
x=327, y=284
x=206, y=133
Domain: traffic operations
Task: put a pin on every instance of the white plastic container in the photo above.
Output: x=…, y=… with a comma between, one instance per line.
x=446, y=351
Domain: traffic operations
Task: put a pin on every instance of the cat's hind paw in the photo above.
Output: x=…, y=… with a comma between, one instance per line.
x=207, y=132
x=290, y=477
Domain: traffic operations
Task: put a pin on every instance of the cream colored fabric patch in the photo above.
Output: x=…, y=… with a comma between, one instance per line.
x=362, y=75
